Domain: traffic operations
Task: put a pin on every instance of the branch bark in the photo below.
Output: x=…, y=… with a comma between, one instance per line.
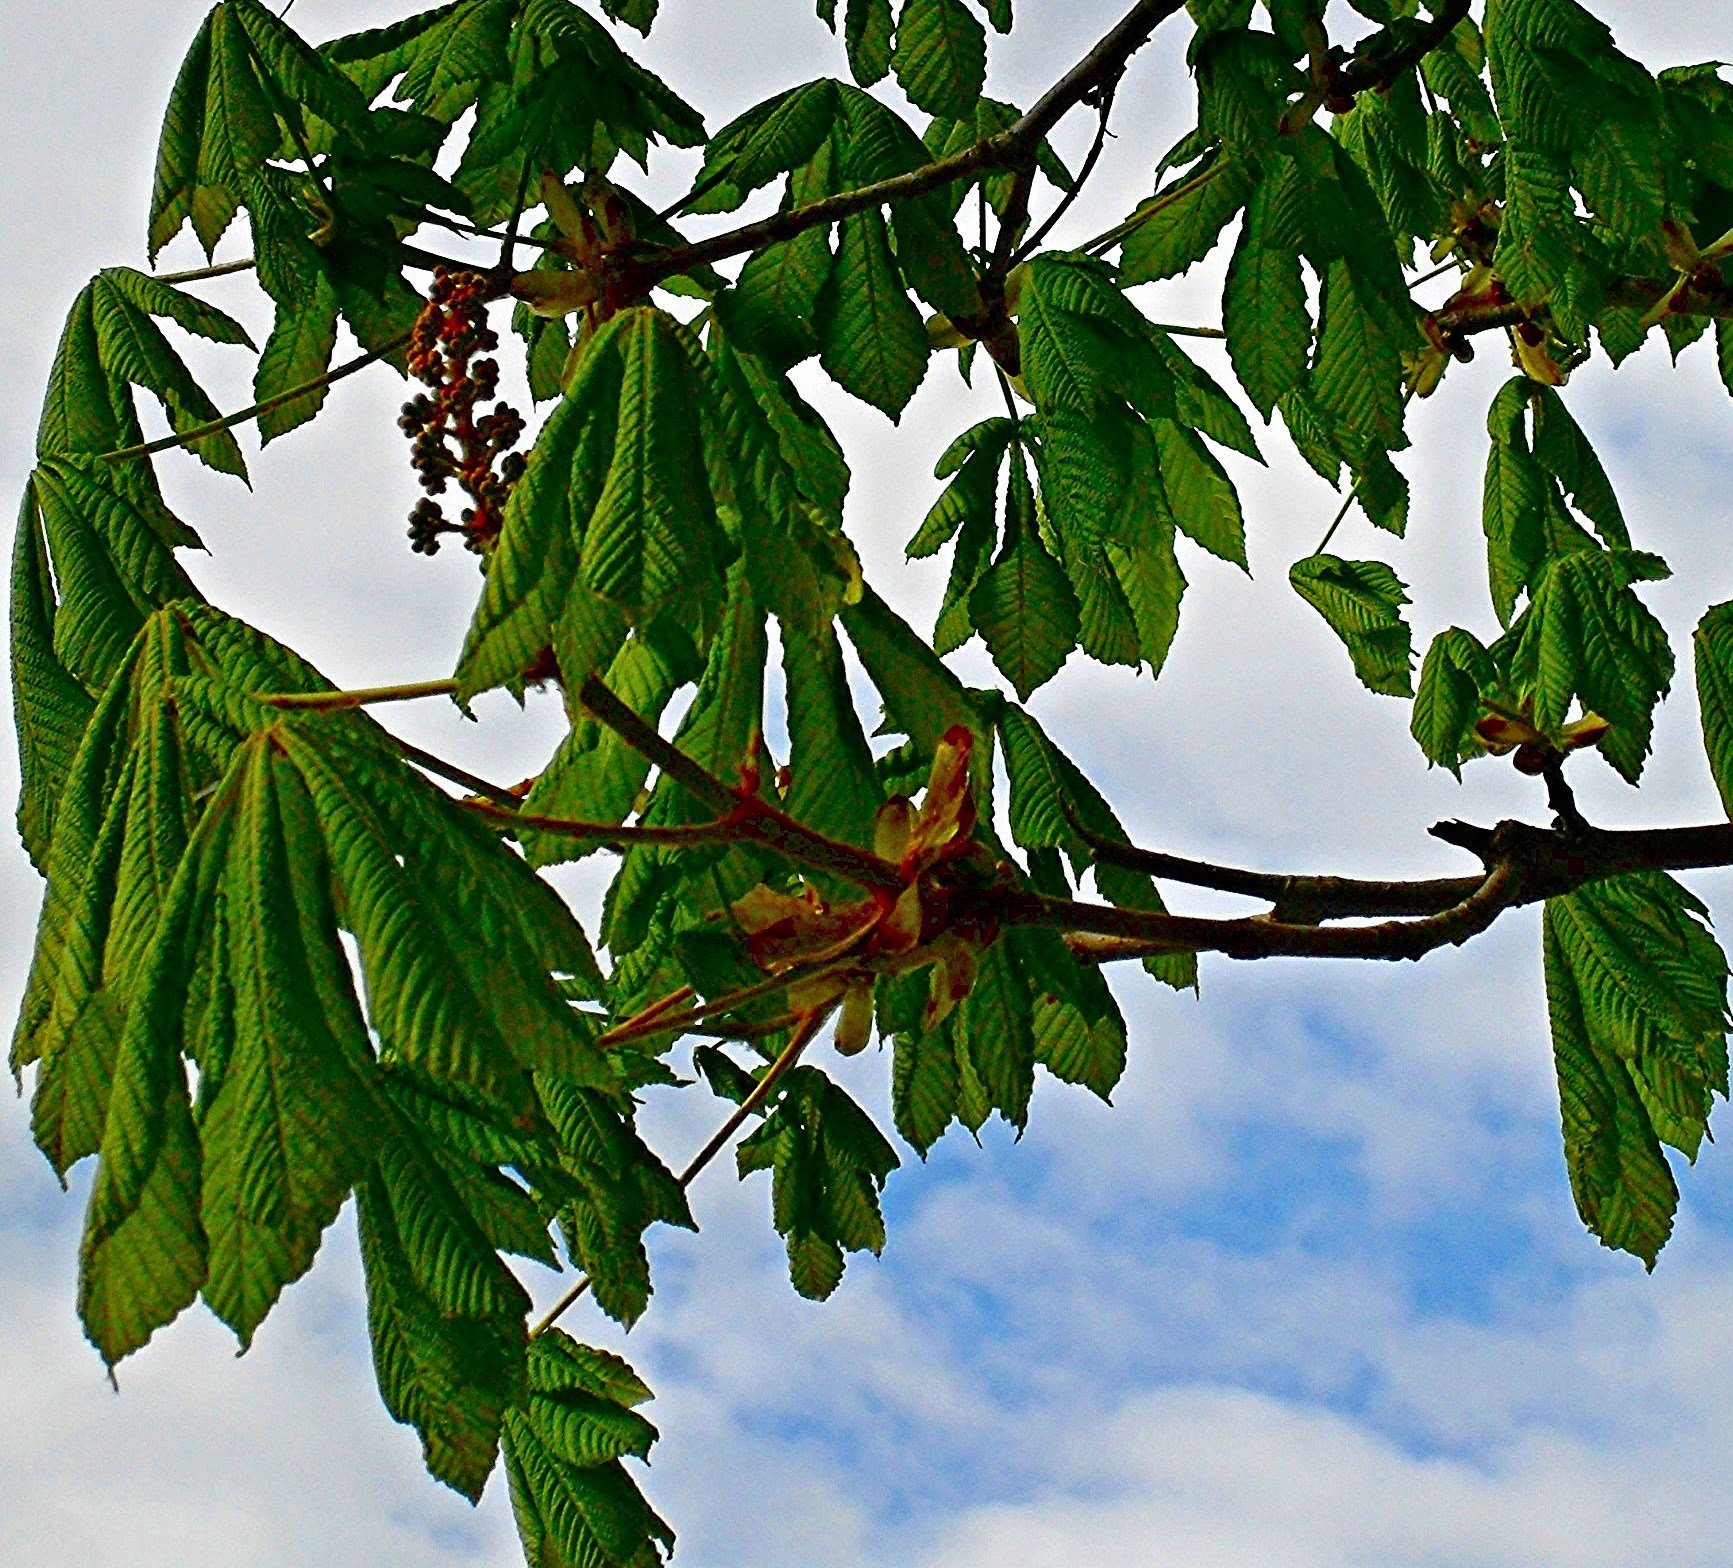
x=1525, y=865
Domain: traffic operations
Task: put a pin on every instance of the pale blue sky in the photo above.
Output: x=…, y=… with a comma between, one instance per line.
x=1312, y=1293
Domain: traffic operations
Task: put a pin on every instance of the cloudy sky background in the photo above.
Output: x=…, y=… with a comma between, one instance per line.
x=1313, y=1292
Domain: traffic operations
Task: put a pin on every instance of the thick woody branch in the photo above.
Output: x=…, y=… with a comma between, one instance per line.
x=1138, y=934
x=1296, y=898
x=1525, y=865
x=1705, y=294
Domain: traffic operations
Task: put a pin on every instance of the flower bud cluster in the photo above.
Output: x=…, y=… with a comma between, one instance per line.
x=450, y=440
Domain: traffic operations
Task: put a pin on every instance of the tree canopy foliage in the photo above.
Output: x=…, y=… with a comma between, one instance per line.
x=286, y=958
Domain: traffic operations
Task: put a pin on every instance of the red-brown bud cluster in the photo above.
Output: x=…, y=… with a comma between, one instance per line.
x=451, y=441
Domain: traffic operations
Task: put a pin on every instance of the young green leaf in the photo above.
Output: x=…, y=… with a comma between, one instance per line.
x=1024, y=605
x=872, y=340
x=940, y=57
x=1264, y=312
x=1362, y=603
x=1448, y=704
x=1713, y=643
x=828, y=1163
x=1637, y=989
x=564, y=1439
x=1586, y=635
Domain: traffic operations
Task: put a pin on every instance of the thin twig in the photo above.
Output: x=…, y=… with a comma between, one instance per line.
x=229, y=421
x=808, y=1027
x=1188, y=332
x=617, y=834
x=1134, y=933
x=1068, y=200
x=1319, y=897
x=337, y=701
x=474, y=782
x=221, y=269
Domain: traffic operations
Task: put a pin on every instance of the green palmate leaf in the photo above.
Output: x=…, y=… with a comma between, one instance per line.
x=661, y=463
x=1637, y=990
x=221, y=942
x=1456, y=670
x=445, y=1315
x=565, y=1438
x=1185, y=221
x=1515, y=501
x=994, y=1036
x=1713, y=643
x=774, y=303
x=439, y=58
x=654, y=525
x=828, y=1163
x=1269, y=329
x=973, y=462
x=831, y=785
x=925, y=1085
x=246, y=94
x=110, y=540
x=1357, y=372
x=1575, y=112
x=771, y=139
x=297, y=352
x=1199, y=493
x=941, y=56
x=922, y=698
x=286, y=1108
x=572, y=99
x=533, y=576
x=623, y=1189
x=1079, y=1033
x=1362, y=603
x=867, y=29
x=1586, y=635
x=112, y=342
x=1024, y=605
x=50, y=707
x=1199, y=401
x=1561, y=448
x=872, y=340
x=780, y=477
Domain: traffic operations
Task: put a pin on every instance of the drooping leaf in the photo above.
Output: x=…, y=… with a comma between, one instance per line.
x=1586, y=635
x=828, y=1163
x=564, y=1441
x=940, y=57
x=872, y=341
x=1637, y=990
x=1713, y=643
x=1448, y=703
x=1362, y=603
x=245, y=93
